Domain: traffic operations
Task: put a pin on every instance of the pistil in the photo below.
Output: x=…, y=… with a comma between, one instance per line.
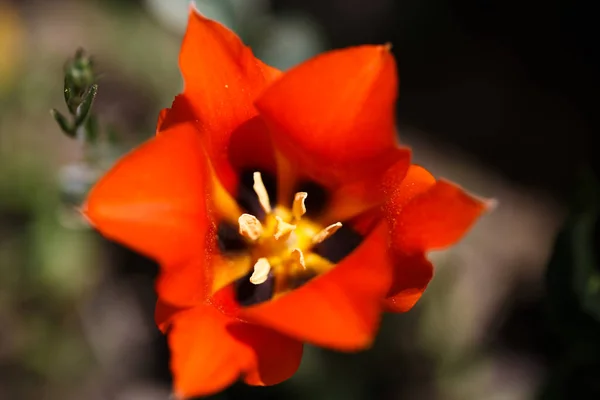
x=283, y=228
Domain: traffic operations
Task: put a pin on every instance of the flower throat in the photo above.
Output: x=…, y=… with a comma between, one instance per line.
x=281, y=246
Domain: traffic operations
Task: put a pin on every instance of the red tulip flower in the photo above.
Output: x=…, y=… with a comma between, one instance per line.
x=280, y=207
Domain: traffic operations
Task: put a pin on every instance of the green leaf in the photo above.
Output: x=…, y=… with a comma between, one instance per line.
x=64, y=125
x=83, y=110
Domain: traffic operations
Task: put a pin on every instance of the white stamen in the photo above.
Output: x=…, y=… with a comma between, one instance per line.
x=326, y=233
x=261, y=271
x=261, y=192
x=298, y=256
x=283, y=228
x=250, y=227
x=298, y=207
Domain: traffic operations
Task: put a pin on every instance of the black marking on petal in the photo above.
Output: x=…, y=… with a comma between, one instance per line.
x=229, y=238
x=248, y=294
x=246, y=196
x=317, y=200
x=301, y=278
x=339, y=245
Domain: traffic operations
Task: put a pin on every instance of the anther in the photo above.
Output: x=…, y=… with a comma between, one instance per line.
x=326, y=233
x=283, y=228
x=261, y=271
x=261, y=192
x=298, y=256
x=250, y=227
x=298, y=207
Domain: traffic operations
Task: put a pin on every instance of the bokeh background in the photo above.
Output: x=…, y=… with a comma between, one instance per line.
x=496, y=95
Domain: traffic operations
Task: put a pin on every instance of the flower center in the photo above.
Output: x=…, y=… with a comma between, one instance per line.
x=282, y=244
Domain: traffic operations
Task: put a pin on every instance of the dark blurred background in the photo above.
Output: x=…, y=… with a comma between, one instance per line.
x=498, y=96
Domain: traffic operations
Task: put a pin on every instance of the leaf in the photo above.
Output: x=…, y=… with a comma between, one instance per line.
x=64, y=125
x=83, y=110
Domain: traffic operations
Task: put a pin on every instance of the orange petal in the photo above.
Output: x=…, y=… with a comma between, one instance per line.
x=339, y=309
x=333, y=115
x=163, y=315
x=186, y=284
x=411, y=276
x=161, y=117
x=402, y=185
x=205, y=358
x=210, y=350
x=222, y=79
x=353, y=198
x=435, y=219
x=276, y=357
x=154, y=199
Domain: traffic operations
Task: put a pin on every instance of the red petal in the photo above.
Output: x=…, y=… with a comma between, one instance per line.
x=403, y=185
x=222, y=80
x=163, y=315
x=205, y=358
x=353, y=198
x=435, y=219
x=411, y=276
x=211, y=350
x=186, y=284
x=275, y=357
x=154, y=199
x=411, y=273
x=333, y=115
x=339, y=309
x=424, y=215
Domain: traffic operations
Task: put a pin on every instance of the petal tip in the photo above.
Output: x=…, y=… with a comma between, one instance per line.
x=193, y=9
x=490, y=204
x=83, y=210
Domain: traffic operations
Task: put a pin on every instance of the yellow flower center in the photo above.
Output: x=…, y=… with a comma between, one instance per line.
x=283, y=242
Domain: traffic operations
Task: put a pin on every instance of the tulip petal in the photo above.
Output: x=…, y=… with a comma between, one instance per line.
x=210, y=350
x=350, y=199
x=401, y=186
x=163, y=315
x=424, y=215
x=205, y=358
x=434, y=219
x=411, y=276
x=186, y=284
x=339, y=309
x=276, y=357
x=222, y=79
x=154, y=199
x=336, y=109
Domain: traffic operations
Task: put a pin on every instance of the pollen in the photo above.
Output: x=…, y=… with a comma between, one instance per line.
x=261, y=192
x=326, y=233
x=298, y=256
x=250, y=227
x=261, y=271
x=298, y=207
